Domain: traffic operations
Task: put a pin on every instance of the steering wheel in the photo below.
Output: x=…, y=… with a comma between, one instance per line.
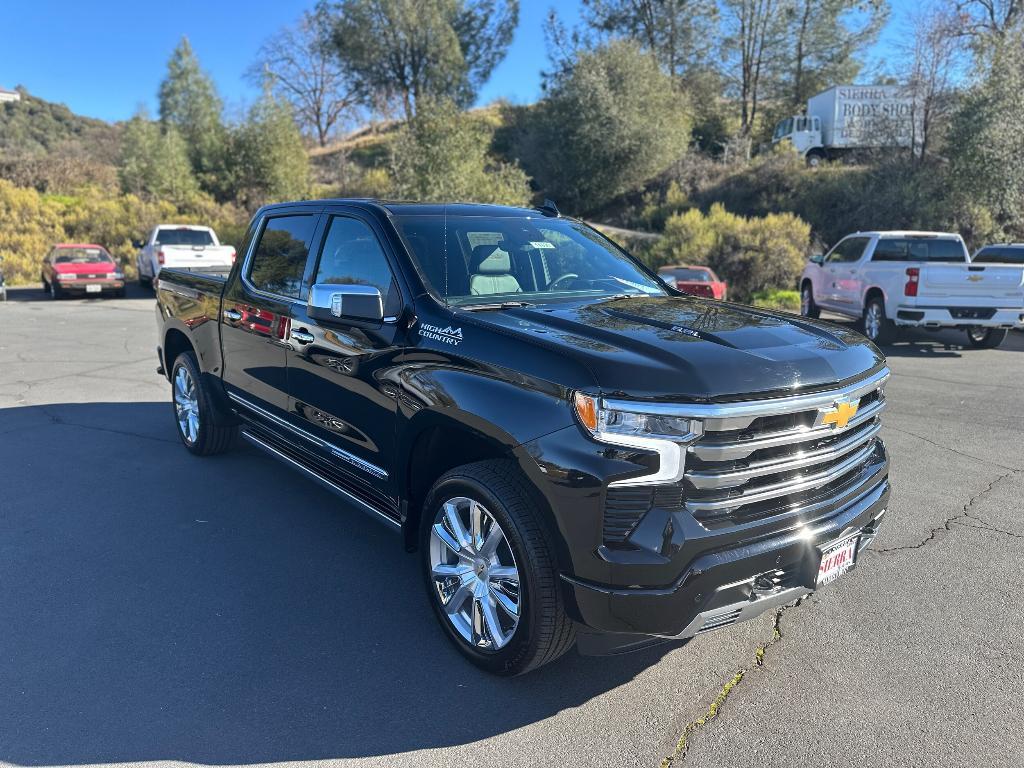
x=567, y=276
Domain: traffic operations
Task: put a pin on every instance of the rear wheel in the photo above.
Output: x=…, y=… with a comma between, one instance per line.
x=877, y=327
x=986, y=338
x=807, y=306
x=490, y=571
x=193, y=410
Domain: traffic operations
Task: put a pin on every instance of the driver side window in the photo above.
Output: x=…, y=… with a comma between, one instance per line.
x=848, y=251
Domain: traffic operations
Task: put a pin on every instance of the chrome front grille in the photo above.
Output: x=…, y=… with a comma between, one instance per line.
x=774, y=455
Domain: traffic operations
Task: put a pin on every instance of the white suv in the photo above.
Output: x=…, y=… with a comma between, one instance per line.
x=926, y=279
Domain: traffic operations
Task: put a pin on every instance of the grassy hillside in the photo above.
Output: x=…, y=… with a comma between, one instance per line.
x=34, y=126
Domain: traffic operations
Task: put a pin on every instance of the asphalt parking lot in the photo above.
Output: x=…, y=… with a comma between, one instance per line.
x=159, y=607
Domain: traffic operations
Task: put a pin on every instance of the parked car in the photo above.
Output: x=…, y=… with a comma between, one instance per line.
x=695, y=280
x=1006, y=253
x=576, y=454
x=81, y=268
x=918, y=279
x=182, y=246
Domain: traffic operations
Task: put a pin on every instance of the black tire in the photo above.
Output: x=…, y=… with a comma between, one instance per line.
x=211, y=437
x=807, y=306
x=544, y=632
x=815, y=158
x=120, y=293
x=884, y=330
x=990, y=339
x=144, y=282
x=55, y=291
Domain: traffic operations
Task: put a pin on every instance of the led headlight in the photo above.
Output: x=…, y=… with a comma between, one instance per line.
x=640, y=425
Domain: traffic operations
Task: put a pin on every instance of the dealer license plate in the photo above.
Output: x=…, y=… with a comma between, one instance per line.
x=837, y=560
x=93, y=288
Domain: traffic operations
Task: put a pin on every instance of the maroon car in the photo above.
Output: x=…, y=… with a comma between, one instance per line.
x=81, y=268
x=699, y=281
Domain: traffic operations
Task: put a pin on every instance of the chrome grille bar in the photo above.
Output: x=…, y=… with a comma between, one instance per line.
x=799, y=460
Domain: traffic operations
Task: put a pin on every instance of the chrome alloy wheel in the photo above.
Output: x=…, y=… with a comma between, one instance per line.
x=873, y=321
x=186, y=405
x=474, y=574
x=805, y=301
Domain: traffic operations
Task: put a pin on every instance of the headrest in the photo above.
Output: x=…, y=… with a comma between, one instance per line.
x=489, y=259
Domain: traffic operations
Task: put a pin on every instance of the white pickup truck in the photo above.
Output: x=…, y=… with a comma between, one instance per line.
x=182, y=246
x=923, y=279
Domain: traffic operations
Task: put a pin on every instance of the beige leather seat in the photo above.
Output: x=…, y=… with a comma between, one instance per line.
x=490, y=272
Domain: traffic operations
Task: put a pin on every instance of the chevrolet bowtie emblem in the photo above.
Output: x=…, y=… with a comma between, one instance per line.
x=839, y=415
x=975, y=278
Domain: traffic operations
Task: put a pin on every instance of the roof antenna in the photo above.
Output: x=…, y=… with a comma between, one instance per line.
x=549, y=208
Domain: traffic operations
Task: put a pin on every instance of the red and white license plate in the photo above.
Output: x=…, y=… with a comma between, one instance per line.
x=837, y=560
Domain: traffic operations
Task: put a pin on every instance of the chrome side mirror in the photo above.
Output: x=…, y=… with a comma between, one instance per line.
x=341, y=302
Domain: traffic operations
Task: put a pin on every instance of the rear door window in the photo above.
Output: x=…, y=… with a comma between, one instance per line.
x=280, y=257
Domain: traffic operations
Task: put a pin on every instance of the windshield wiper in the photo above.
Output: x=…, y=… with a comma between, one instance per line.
x=495, y=305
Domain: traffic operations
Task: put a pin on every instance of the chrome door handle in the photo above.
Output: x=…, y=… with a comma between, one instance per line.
x=233, y=315
x=302, y=336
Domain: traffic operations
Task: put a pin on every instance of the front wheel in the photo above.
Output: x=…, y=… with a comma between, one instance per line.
x=877, y=327
x=807, y=306
x=55, y=291
x=490, y=571
x=193, y=410
x=986, y=338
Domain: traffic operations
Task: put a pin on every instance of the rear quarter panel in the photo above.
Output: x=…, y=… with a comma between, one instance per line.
x=189, y=303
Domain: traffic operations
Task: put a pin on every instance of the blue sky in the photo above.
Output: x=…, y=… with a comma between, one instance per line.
x=105, y=59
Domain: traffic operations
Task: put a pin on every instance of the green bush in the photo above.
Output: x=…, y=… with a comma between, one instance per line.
x=611, y=123
x=750, y=254
x=784, y=300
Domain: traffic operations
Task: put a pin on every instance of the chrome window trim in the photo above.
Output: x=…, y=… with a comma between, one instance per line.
x=753, y=408
x=344, y=455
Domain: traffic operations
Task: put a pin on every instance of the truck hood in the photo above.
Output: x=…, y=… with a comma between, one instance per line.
x=689, y=349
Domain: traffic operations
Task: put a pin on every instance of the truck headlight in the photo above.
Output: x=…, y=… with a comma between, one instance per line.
x=634, y=425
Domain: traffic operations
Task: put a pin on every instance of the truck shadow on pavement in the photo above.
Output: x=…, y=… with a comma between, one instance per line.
x=933, y=345
x=159, y=606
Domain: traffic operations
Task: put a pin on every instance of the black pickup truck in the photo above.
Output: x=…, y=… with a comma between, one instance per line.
x=576, y=452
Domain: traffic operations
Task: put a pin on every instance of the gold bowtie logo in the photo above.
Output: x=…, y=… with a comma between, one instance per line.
x=840, y=416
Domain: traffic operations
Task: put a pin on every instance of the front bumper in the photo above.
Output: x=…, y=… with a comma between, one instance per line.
x=960, y=317
x=98, y=286
x=720, y=588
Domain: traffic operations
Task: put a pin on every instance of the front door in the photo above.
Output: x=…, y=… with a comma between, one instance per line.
x=338, y=371
x=840, y=271
x=257, y=310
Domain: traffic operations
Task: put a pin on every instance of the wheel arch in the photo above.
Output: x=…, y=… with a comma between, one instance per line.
x=872, y=292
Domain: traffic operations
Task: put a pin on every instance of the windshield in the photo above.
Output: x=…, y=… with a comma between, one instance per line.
x=784, y=128
x=689, y=275
x=81, y=256
x=184, y=237
x=527, y=259
x=919, y=249
x=1006, y=254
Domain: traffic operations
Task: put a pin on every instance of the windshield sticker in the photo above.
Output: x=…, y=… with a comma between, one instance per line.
x=447, y=335
x=541, y=244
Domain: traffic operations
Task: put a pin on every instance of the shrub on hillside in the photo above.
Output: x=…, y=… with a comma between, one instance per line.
x=611, y=123
x=443, y=154
x=750, y=254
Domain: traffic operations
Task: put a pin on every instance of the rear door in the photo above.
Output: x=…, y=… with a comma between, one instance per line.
x=257, y=308
x=339, y=372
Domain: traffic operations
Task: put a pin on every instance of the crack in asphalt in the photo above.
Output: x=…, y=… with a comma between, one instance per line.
x=683, y=745
x=952, y=450
x=55, y=419
x=958, y=519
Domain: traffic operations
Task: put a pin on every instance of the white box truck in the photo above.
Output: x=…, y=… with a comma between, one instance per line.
x=847, y=118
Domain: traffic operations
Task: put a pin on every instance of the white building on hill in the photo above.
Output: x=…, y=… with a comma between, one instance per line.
x=6, y=95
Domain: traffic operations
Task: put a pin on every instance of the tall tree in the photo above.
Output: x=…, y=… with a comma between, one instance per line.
x=268, y=159
x=826, y=36
x=680, y=33
x=300, y=66
x=413, y=49
x=989, y=17
x=754, y=50
x=154, y=162
x=189, y=102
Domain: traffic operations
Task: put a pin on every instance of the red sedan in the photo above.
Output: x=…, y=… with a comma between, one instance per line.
x=81, y=268
x=698, y=281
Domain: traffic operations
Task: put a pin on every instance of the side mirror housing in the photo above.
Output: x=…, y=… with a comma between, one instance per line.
x=818, y=258
x=138, y=245
x=338, y=303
